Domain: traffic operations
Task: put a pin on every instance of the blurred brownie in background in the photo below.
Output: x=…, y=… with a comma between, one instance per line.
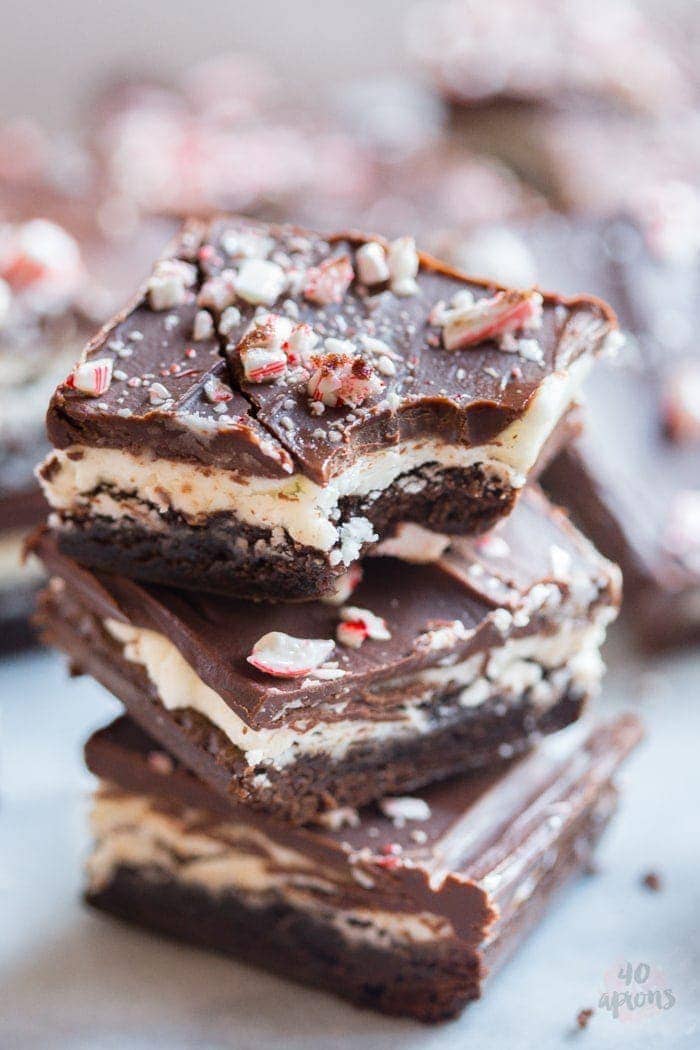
x=60, y=270
x=633, y=480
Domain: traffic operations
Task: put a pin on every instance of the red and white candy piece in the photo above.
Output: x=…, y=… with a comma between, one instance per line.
x=261, y=349
x=169, y=283
x=300, y=344
x=358, y=624
x=284, y=656
x=342, y=378
x=39, y=255
x=345, y=585
x=217, y=392
x=471, y=323
x=92, y=378
x=328, y=282
x=681, y=404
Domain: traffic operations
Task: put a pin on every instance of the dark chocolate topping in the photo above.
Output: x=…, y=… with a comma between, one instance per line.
x=467, y=396
x=216, y=634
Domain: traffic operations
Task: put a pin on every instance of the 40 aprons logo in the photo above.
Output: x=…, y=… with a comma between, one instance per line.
x=635, y=991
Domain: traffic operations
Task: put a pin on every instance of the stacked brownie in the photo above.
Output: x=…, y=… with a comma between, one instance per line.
x=292, y=532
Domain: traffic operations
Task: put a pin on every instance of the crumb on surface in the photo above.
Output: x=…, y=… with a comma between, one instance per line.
x=583, y=1017
x=652, y=881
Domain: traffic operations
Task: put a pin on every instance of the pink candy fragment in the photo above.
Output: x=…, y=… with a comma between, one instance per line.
x=328, y=282
x=284, y=656
x=92, y=378
x=484, y=319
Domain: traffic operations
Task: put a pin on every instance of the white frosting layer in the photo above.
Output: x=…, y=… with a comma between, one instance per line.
x=296, y=504
x=513, y=667
x=241, y=860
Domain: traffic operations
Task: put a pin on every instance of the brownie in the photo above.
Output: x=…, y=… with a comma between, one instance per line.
x=424, y=669
x=208, y=443
x=405, y=907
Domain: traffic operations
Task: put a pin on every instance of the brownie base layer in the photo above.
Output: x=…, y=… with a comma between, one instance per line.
x=227, y=556
x=463, y=740
x=427, y=983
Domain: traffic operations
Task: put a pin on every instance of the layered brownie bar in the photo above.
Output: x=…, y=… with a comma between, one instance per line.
x=422, y=671
x=274, y=403
x=405, y=908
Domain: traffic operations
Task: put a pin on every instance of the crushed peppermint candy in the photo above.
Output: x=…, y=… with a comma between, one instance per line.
x=229, y=320
x=470, y=321
x=284, y=656
x=404, y=808
x=203, y=327
x=345, y=585
x=329, y=281
x=404, y=264
x=341, y=377
x=263, y=350
x=372, y=265
x=158, y=394
x=260, y=282
x=358, y=624
x=216, y=391
x=169, y=284
x=218, y=292
x=92, y=378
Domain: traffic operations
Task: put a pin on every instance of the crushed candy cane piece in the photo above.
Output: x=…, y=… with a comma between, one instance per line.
x=345, y=585
x=260, y=281
x=328, y=282
x=169, y=283
x=216, y=391
x=405, y=808
x=203, y=327
x=502, y=314
x=300, y=343
x=342, y=378
x=372, y=265
x=218, y=292
x=158, y=394
x=92, y=378
x=358, y=624
x=230, y=319
x=284, y=656
x=404, y=264
x=261, y=349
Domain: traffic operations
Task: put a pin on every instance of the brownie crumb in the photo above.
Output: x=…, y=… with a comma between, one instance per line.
x=652, y=881
x=583, y=1017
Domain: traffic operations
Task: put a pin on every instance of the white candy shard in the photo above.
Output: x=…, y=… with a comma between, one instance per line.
x=262, y=350
x=403, y=266
x=92, y=378
x=203, y=327
x=503, y=313
x=260, y=282
x=372, y=265
x=405, y=808
x=230, y=319
x=358, y=624
x=169, y=283
x=218, y=292
x=284, y=656
x=328, y=282
x=300, y=344
x=158, y=394
x=217, y=392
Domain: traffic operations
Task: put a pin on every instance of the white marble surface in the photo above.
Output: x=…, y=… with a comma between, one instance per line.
x=70, y=980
